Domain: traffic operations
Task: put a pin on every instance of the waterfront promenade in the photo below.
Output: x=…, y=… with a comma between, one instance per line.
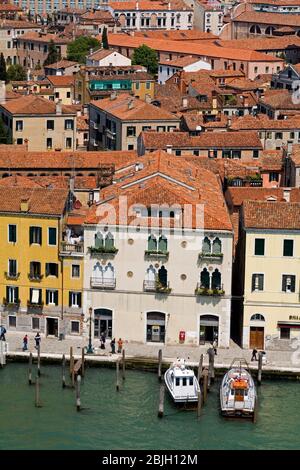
x=54, y=348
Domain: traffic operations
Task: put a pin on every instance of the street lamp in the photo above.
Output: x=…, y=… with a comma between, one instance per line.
x=90, y=349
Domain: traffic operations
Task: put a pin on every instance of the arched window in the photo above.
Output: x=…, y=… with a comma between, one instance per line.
x=217, y=246
x=98, y=271
x=216, y=279
x=163, y=276
x=162, y=243
x=98, y=240
x=152, y=243
x=204, y=278
x=151, y=273
x=109, y=241
x=269, y=30
x=109, y=272
x=255, y=29
x=257, y=316
x=206, y=245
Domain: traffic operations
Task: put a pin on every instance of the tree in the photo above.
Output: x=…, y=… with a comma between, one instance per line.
x=4, y=134
x=3, y=73
x=53, y=55
x=104, y=39
x=147, y=57
x=16, y=73
x=80, y=48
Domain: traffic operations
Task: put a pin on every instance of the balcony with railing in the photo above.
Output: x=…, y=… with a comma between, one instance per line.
x=35, y=277
x=11, y=276
x=102, y=250
x=217, y=291
x=156, y=254
x=156, y=286
x=11, y=304
x=101, y=283
x=210, y=256
x=71, y=249
x=33, y=307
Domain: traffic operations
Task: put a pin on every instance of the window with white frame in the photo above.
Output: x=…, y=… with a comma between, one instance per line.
x=75, y=270
x=257, y=282
x=288, y=283
x=75, y=327
x=75, y=299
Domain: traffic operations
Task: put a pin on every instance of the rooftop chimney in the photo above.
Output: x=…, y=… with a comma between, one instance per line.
x=184, y=102
x=136, y=5
x=169, y=5
x=148, y=98
x=287, y=194
x=130, y=104
x=24, y=206
x=169, y=148
x=113, y=95
x=58, y=107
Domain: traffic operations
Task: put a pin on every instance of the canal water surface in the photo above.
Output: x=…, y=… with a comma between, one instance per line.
x=128, y=419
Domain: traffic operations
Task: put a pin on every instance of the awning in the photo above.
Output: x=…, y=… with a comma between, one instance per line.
x=288, y=324
x=35, y=296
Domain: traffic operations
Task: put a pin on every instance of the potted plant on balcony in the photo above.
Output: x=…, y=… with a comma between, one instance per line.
x=8, y=304
x=210, y=255
x=157, y=253
x=95, y=250
x=162, y=289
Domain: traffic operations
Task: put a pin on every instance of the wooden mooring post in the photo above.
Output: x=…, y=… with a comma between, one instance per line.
x=78, y=401
x=123, y=364
x=161, y=401
x=200, y=366
x=259, y=372
x=30, y=369
x=63, y=371
x=82, y=363
x=39, y=360
x=37, y=392
x=199, y=404
x=71, y=360
x=205, y=385
x=117, y=375
x=211, y=368
x=2, y=353
x=159, y=364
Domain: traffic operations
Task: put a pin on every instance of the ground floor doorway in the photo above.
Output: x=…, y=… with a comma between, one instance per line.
x=257, y=337
x=156, y=327
x=209, y=329
x=52, y=327
x=102, y=323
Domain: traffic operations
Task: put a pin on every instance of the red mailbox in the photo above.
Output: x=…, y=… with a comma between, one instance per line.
x=181, y=336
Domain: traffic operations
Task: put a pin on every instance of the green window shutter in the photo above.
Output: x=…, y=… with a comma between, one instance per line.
x=288, y=247
x=163, y=244
x=79, y=300
x=56, y=297
x=47, y=297
x=261, y=282
x=7, y=293
x=98, y=240
x=204, y=278
x=206, y=245
x=52, y=235
x=30, y=294
x=39, y=237
x=40, y=296
x=30, y=235
x=253, y=281
x=293, y=283
x=217, y=246
x=47, y=269
x=109, y=241
x=259, y=246
x=17, y=293
x=70, y=299
x=152, y=243
x=284, y=283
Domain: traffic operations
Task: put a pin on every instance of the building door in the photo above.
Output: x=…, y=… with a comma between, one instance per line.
x=52, y=327
x=156, y=327
x=209, y=329
x=102, y=322
x=257, y=337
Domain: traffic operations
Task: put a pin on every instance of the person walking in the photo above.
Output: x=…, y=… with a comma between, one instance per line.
x=37, y=339
x=25, y=343
x=102, y=341
x=113, y=346
x=254, y=357
x=215, y=345
x=2, y=333
x=120, y=345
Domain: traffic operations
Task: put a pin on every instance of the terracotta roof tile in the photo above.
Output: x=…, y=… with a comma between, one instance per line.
x=271, y=215
x=267, y=18
x=40, y=200
x=152, y=5
x=61, y=80
x=177, y=35
x=61, y=64
x=32, y=104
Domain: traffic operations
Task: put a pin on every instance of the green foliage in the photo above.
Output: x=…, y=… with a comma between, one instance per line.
x=105, y=39
x=3, y=73
x=53, y=55
x=5, y=137
x=16, y=73
x=80, y=48
x=147, y=57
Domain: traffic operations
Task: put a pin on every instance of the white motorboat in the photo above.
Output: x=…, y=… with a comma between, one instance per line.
x=182, y=383
x=238, y=393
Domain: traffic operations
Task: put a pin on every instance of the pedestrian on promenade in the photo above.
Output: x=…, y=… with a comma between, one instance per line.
x=254, y=357
x=215, y=345
x=2, y=333
x=37, y=339
x=113, y=346
x=120, y=345
x=25, y=343
x=102, y=341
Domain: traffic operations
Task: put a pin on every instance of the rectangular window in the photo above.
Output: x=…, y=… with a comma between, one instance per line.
x=68, y=94
x=147, y=85
x=51, y=297
x=288, y=247
x=236, y=153
x=19, y=141
x=49, y=143
x=68, y=142
x=255, y=153
x=130, y=147
x=75, y=270
x=273, y=176
x=35, y=323
x=12, y=321
x=131, y=131
x=50, y=125
x=69, y=124
x=35, y=270
x=178, y=153
x=74, y=326
x=19, y=126
x=288, y=283
x=259, y=246
x=257, y=282
x=161, y=128
x=52, y=236
x=137, y=85
x=12, y=233
x=226, y=153
x=12, y=294
x=12, y=267
x=278, y=135
x=35, y=296
x=52, y=269
x=146, y=128
x=285, y=333
x=75, y=299
x=35, y=235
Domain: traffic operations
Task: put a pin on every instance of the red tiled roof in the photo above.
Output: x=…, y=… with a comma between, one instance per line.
x=32, y=104
x=262, y=122
x=262, y=43
x=61, y=65
x=40, y=200
x=61, y=80
x=180, y=62
x=44, y=37
x=177, y=35
x=152, y=5
x=267, y=18
x=271, y=215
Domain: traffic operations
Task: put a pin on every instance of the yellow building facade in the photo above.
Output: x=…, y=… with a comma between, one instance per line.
x=271, y=317
x=41, y=291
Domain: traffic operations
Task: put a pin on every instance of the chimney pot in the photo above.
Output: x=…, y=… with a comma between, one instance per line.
x=24, y=206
